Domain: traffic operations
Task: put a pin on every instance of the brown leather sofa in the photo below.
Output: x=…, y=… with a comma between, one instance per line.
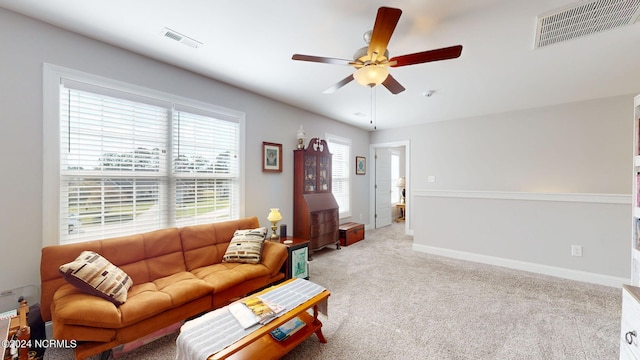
x=177, y=273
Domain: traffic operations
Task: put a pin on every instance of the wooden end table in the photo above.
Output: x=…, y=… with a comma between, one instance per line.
x=298, y=254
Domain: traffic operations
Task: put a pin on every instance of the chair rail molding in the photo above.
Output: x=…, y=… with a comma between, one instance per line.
x=534, y=196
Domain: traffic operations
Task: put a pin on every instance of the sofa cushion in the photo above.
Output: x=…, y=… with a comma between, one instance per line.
x=246, y=246
x=206, y=244
x=163, y=294
x=145, y=300
x=95, y=275
x=227, y=275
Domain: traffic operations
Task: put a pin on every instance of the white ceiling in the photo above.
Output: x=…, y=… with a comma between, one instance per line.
x=249, y=44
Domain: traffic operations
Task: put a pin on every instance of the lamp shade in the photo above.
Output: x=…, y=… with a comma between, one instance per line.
x=401, y=182
x=371, y=75
x=300, y=134
x=274, y=215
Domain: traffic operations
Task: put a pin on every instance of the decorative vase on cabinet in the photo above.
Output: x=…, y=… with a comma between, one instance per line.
x=315, y=210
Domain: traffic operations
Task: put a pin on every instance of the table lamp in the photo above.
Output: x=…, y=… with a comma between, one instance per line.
x=273, y=217
x=301, y=136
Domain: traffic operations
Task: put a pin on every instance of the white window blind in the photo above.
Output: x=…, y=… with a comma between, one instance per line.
x=130, y=164
x=205, y=167
x=340, y=148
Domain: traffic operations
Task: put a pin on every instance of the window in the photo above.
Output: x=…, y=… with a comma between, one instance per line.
x=340, y=148
x=131, y=161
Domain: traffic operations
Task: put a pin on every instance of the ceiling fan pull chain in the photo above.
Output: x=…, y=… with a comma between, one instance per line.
x=371, y=104
x=373, y=107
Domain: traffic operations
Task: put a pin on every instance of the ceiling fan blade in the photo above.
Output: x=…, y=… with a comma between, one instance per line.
x=447, y=53
x=393, y=85
x=385, y=24
x=321, y=59
x=339, y=84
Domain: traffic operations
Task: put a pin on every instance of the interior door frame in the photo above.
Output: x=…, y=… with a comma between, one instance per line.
x=408, y=229
x=382, y=188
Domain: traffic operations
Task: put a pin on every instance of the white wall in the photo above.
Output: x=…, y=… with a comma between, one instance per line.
x=573, y=148
x=529, y=231
x=580, y=147
x=27, y=44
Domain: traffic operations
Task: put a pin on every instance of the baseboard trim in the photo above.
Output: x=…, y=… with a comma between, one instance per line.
x=564, y=273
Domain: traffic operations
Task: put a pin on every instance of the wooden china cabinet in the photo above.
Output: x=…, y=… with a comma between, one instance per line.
x=315, y=210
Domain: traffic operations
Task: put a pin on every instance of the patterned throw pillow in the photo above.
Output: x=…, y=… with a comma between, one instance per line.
x=246, y=246
x=95, y=275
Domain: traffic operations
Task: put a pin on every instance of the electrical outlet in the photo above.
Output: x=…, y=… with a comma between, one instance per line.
x=431, y=178
x=576, y=250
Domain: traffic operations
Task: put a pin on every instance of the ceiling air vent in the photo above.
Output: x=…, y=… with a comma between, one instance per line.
x=585, y=18
x=183, y=39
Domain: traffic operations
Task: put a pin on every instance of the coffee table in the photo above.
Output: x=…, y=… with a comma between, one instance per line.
x=259, y=344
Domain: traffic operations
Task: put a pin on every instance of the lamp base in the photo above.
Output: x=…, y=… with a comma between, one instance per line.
x=274, y=235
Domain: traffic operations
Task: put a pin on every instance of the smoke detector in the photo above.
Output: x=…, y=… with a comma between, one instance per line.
x=585, y=18
x=183, y=39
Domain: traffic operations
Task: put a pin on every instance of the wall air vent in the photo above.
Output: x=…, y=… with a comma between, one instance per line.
x=585, y=18
x=183, y=39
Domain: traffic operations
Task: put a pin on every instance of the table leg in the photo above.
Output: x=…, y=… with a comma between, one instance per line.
x=317, y=322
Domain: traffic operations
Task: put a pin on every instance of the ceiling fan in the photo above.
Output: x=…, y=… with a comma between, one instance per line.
x=372, y=62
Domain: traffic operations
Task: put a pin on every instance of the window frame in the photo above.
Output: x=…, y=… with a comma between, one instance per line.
x=53, y=76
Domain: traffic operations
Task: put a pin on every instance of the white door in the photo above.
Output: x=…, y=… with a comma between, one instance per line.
x=383, y=187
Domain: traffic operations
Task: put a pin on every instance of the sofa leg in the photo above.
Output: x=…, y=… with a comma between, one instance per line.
x=105, y=355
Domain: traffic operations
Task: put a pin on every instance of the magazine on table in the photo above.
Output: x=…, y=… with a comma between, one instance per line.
x=255, y=310
x=276, y=311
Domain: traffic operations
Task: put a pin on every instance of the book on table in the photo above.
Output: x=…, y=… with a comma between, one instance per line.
x=255, y=310
x=287, y=329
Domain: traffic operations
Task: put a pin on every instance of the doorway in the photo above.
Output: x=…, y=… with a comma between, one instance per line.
x=383, y=174
x=383, y=190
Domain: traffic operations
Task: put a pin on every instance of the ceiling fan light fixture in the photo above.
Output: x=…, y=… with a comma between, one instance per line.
x=372, y=62
x=371, y=75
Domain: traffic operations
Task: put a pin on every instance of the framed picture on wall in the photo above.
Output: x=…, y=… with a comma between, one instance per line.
x=299, y=266
x=361, y=165
x=271, y=157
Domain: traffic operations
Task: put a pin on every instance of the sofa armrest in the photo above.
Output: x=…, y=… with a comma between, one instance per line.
x=274, y=255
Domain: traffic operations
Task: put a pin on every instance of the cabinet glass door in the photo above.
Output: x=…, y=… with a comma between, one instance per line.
x=310, y=173
x=324, y=175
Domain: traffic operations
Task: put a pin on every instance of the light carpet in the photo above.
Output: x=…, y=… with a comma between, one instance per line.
x=389, y=302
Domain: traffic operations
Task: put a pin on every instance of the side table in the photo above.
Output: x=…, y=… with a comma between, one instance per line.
x=401, y=212
x=297, y=261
